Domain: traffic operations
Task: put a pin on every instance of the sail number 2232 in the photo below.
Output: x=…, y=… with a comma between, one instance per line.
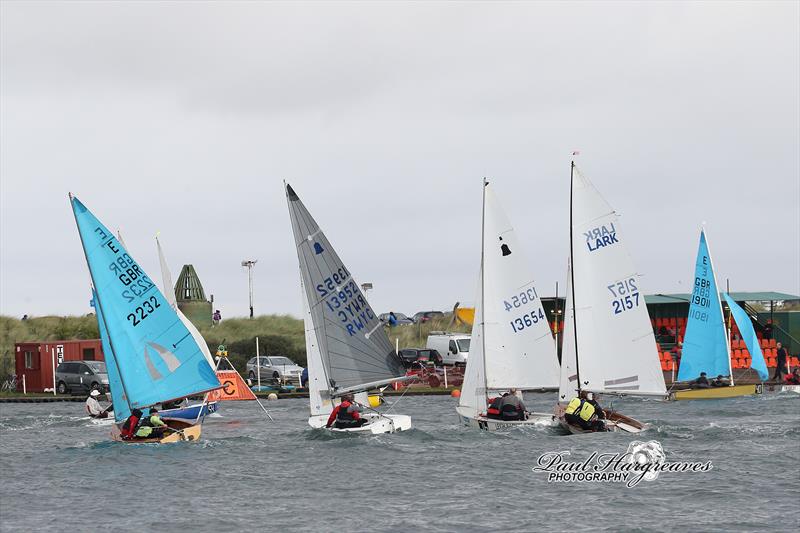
x=144, y=310
x=626, y=295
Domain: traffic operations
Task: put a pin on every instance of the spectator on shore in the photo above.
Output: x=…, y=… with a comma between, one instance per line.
x=766, y=333
x=781, y=368
x=24, y=317
x=216, y=318
x=392, y=319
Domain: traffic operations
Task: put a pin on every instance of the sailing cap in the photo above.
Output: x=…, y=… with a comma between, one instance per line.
x=94, y=392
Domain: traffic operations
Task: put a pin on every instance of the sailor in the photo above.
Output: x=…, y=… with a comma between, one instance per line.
x=93, y=406
x=719, y=381
x=129, y=427
x=346, y=415
x=493, y=411
x=702, y=381
x=794, y=377
x=511, y=406
x=585, y=412
x=152, y=426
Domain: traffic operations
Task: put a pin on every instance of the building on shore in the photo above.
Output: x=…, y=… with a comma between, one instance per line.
x=192, y=298
x=36, y=360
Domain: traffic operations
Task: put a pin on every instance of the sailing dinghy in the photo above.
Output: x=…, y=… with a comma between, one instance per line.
x=346, y=347
x=150, y=354
x=608, y=345
x=706, y=344
x=512, y=344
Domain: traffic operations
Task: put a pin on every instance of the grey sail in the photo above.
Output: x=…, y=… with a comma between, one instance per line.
x=354, y=348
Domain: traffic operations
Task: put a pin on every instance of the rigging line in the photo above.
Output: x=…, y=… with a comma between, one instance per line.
x=405, y=390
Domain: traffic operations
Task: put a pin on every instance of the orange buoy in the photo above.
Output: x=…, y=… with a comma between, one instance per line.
x=455, y=393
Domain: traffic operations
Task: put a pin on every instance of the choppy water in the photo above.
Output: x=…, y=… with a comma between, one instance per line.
x=59, y=470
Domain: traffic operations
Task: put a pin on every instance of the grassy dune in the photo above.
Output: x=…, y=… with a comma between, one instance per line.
x=278, y=335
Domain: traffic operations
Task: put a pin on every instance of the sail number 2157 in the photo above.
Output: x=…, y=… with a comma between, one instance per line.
x=626, y=295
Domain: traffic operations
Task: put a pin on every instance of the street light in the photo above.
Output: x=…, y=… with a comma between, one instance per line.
x=249, y=264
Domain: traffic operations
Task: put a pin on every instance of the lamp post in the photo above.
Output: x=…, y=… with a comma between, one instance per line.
x=249, y=264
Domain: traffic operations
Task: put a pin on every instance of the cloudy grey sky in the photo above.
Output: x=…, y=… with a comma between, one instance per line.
x=185, y=117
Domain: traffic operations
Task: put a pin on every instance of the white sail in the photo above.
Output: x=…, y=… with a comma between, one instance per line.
x=617, y=350
x=169, y=294
x=568, y=383
x=472, y=401
x=520, y=350
x=318, y=392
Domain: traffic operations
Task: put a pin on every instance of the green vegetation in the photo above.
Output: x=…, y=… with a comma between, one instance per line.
x=277, y=335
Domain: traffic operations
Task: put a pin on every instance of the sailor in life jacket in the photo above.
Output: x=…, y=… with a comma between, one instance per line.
x=151, y=427
x=129, y=426
x=507, y=407
x=346, y=415
x=584, y=411
x=93, y=406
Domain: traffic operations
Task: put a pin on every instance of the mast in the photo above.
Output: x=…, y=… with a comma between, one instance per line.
x=483, y=309
x=572, y=276
x=719, y=302
x=728, y=322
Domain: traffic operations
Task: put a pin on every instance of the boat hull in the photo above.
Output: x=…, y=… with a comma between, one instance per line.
x=184, y=432
x=378, y=424
x=614, y=422
x=190, y=412
x=491, y=424
x=716, y=393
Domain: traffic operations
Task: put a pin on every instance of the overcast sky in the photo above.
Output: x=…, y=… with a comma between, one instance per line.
x=184, y=118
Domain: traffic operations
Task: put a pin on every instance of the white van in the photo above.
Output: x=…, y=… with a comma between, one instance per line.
x=453, y=347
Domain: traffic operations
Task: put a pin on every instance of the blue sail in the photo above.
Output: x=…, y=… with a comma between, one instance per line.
x=121, y=408
x=157, y=357
x=705, y=344
x=749, y=337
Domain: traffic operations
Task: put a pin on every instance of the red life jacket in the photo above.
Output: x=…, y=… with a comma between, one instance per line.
x=494, y=406
x=129, y=427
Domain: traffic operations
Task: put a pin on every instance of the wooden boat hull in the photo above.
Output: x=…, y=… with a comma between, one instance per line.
x=492, y=424
x=184, y=432
x=615, y=421
x=716, y=393
x=378, y=424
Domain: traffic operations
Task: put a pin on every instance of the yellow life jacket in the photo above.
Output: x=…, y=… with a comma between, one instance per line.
x=582, y=408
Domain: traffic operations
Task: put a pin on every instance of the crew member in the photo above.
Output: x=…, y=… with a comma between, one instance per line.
x=346, y=415
x=129, y=427
x=511, y=407
x=584, y=411
x=152, y=426
x=93, y=406
x=702, y=381
x=719, y=381
x=493, y=410
x=794, y=377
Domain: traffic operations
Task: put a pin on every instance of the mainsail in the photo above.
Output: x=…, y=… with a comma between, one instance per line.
x=705, y=344
x=616, y=346
x=157, y=358
x=749, y=337
x=353, y=348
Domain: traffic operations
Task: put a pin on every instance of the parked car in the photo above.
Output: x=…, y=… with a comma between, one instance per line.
x=421, y=355
x=424, y=316
x=401, y=318
x=276, y=368
x=81, y=376
x=454, y=347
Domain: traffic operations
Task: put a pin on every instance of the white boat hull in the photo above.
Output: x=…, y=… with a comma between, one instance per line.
x=378, y=424
x=492, y=424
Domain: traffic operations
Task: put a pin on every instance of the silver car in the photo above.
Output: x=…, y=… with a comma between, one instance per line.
x=81, y=376
x=274, y=369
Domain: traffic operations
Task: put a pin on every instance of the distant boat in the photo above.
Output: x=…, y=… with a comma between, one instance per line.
x=346, y=347
x=608, y=343
x=512, y=344
x=150, y=355
x=706, y=345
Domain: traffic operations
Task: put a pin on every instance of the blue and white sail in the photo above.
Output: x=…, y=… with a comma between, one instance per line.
x=157, y=357
x=706, y=347
x=118, y=398
x=749, y=337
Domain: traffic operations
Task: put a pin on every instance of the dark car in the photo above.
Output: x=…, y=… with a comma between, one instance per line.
x=410, y=356
x=81, y=376
x=424, y=316
x=401, y=318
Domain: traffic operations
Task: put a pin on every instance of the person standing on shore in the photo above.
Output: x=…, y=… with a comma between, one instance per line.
x=781, y=368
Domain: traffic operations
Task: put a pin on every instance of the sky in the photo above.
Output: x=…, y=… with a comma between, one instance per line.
x=184, y=118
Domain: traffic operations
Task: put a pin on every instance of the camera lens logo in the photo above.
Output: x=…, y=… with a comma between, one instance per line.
x=646, y=453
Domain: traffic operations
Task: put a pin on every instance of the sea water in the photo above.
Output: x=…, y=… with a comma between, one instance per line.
x=59, y=470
